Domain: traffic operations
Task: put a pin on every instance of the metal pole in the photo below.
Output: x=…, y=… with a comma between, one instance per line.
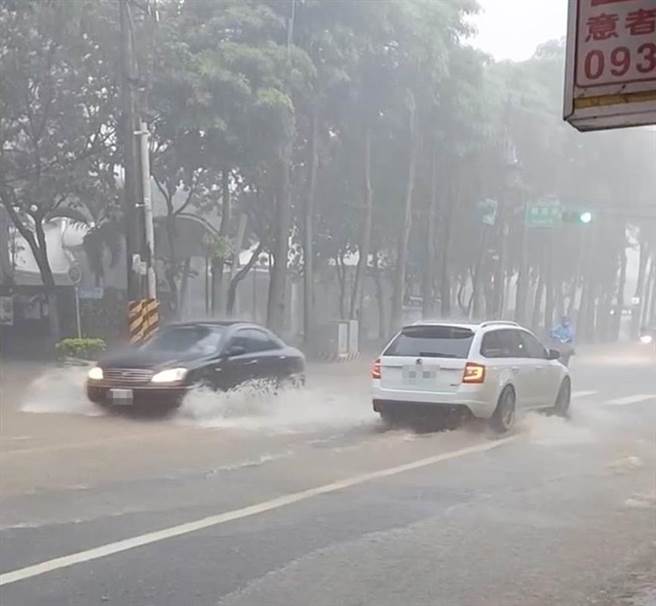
x=77, y=312
x=144, y=137
x=129, y=123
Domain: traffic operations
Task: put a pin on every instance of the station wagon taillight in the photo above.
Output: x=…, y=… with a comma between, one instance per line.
x=376, y=369
x=474, y=373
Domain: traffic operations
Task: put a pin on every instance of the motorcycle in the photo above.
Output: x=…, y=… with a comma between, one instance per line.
x=648, y=337
x=565, y=347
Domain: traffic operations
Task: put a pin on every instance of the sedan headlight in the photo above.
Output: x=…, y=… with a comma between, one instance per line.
x=96, y=374
x=172, y=375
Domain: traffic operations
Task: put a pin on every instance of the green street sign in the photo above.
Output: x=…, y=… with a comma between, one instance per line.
x=543, y=213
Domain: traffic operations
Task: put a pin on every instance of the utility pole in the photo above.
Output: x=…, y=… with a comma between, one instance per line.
x=134, y=232
x=149, y=231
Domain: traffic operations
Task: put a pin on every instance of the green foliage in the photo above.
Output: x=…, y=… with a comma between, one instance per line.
x=57, y=96
x=218, y=247
x=84, y=349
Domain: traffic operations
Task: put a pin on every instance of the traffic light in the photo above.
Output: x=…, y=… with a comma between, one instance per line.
x=578, y=217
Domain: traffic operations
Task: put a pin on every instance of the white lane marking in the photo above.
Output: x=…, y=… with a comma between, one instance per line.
x=237, y=514
x=584, y=393
x=82, y=445
x=628, y=400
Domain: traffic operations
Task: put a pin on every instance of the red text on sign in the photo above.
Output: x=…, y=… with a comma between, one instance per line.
x=620, y=60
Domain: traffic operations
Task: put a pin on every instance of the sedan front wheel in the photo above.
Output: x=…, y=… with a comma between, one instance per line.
x=293, y=382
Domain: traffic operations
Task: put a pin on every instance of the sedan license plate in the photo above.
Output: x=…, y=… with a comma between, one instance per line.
x=121, y=397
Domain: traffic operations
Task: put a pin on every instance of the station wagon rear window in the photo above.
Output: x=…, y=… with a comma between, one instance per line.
x=432, y=342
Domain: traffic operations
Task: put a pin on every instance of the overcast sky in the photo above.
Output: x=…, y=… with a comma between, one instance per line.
x=511, y=29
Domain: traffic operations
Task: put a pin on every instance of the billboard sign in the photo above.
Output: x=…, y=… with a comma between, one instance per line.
x=611, y=64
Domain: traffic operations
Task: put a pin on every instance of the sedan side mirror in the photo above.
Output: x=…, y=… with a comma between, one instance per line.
x=236, y=350
x=553, y=354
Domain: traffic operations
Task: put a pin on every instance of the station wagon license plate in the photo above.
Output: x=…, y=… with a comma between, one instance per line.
x=418, y=375
x=121, y=397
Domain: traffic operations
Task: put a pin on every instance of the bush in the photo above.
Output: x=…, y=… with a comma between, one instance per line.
x=86, y=349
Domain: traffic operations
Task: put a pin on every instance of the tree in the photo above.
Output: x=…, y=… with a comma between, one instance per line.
x=56, y=96
x=325, y=32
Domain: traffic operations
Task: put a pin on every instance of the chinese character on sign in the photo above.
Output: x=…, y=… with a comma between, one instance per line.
x=641, y=22
x=602, y=27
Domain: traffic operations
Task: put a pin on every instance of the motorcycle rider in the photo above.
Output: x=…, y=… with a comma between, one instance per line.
x=563, y=335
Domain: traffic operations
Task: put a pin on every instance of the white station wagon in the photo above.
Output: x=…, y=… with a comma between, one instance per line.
x=494, y=370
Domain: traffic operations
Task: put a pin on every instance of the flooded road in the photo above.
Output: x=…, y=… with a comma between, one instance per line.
x=247, y=499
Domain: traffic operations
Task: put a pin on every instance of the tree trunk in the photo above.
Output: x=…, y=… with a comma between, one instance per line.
x=475, y=306
x=621, y=286
x=428, y=281
x=583, y=243
x=500, y=268
x=586, y=319
x=445, y=282
x=184, y=287
x=642, y=269
x=537, y=306
x=522, y=275
x=639, y=290
x=234, y=266
x=651, y=312
x=6, y=269
x=38, y=246
x=380, y=296
x=460, y=297
x=402, y=256
x=39, y=249
x=505, y=310
x=365, y=231
x=278, y=282
x=239, y=276
x=218, y=262
x=549, y=283
x=341, y=279
x=308, y=231
x=648, y=290
x=172, y=262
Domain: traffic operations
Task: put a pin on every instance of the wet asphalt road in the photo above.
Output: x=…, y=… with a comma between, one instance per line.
x=309, y=500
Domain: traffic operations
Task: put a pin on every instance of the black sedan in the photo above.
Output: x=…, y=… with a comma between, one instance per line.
x=218, y=355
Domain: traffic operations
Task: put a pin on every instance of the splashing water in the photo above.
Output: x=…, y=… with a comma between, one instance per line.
x=255, y=407
x=59, y=390
x=642, y=501
x=555, y=431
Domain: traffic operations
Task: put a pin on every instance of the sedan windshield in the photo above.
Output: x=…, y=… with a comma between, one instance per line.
x=432, y=342
x=199, y=340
